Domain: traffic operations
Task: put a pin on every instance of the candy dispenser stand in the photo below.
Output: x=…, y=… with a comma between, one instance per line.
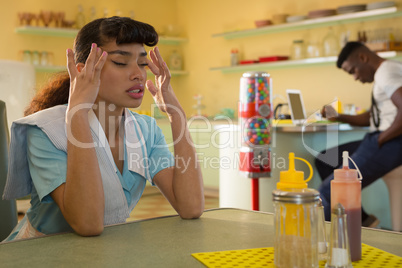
x=255, y=125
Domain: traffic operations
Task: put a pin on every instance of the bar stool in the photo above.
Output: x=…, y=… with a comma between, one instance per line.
x=393, y=180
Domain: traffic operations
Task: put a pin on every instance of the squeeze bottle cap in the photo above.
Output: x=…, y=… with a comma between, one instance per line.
x=293, y=178
x=345, y=173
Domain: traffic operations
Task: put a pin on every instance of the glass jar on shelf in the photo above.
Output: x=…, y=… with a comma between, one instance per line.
x=330, y=44
x=175, y=61
x=234, y=57
x=80, y=18
x=313, y=50
x=35, y=57
x=298, y=50
x=27, y=56
x=44, y=58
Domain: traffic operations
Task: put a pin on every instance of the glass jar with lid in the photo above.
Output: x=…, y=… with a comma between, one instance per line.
x=35, y=57
x=330, y=44
x=27, y=56
x=296, y=227
x=44, y=58
x=298, y=50
x=175, y=61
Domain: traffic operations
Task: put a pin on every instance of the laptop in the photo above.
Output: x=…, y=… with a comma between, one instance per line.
x=296, y=106
x=297, y=110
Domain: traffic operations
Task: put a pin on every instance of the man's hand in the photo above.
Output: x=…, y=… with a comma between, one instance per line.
x=329, y=112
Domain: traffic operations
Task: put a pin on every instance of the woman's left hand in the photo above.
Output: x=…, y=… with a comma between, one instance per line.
x=162, y=91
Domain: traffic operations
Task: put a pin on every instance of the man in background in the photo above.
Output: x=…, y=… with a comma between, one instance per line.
x=380, y=151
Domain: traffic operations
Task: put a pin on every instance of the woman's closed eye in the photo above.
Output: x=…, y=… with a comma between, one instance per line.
x=119, y=63
x=125, y=64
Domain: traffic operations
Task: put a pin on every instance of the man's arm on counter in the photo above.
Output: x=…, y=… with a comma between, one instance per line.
x=361, y=120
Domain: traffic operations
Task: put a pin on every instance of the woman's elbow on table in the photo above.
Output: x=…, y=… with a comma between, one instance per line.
x=88, y=229
x=192, y=213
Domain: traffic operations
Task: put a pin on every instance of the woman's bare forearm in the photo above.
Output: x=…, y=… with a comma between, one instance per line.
x=187, y=180
x=83, y=197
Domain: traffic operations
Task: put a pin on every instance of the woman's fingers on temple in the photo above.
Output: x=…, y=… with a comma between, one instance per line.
x=157, y=58
x=153, y=67
x=93, y=64
x=158, y=55
x=100, y=63
x=72, y=69
x=154, y=58
x=90, y=62
x=98, y=53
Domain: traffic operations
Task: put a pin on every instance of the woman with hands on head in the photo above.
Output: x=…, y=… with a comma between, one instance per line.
x=85, y=157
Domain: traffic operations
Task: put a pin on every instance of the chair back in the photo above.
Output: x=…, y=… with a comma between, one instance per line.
x=8, y=208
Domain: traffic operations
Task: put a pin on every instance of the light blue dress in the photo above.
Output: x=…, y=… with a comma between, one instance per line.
x=48, y=169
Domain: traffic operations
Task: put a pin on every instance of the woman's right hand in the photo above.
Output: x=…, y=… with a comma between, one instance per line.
x=85, y=78
x=81, y=198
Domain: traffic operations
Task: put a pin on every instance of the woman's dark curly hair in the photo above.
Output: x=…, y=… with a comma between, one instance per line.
x=123, y=30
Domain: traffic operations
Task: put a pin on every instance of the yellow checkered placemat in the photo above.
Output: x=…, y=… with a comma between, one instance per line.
x=264, y=257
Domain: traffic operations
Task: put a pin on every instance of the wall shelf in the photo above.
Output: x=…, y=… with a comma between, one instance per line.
x=321, y=61
x=46, y=31
x=167, y=40
x=71, y=33
x=375, y=14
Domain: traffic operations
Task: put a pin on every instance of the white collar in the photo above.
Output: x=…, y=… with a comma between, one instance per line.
x=134, y=141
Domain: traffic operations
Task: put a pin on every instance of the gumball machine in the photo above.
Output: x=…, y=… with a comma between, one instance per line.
x=255, y=115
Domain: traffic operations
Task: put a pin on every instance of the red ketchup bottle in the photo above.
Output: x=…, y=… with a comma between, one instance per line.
x=346, y=189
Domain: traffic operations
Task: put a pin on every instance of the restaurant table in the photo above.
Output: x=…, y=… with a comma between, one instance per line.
x=162, y=242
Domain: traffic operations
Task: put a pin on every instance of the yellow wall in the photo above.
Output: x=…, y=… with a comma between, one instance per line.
x=200, y=20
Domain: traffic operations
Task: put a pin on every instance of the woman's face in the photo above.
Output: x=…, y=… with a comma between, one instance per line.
x=123, y=76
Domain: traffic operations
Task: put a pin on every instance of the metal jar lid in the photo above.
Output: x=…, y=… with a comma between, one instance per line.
x=296, y=196
x=338, y=210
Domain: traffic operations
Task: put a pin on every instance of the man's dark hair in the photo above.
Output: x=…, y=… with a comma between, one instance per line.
x=346, y=51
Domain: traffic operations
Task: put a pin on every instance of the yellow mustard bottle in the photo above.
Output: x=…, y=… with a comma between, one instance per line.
x=292, y=178
x=337, y=105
